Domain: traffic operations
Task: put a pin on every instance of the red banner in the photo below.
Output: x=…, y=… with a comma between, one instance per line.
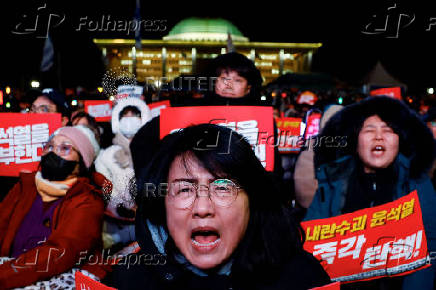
x=21, y=140
x=386, y=240
x=85, y=283
x=331, y=286
x=313, y=120
x=289, y=134
x=254, y=123
x=101, y=110
x=156, y=107
x=394, y=92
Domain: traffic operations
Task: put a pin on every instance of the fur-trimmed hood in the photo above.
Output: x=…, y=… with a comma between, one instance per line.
x=121, y=104
x=416, y=140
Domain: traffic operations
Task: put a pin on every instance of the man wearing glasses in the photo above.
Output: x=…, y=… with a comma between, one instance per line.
x=51, y=101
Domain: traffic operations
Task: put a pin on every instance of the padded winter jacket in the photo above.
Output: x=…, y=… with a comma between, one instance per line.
x=76, y=232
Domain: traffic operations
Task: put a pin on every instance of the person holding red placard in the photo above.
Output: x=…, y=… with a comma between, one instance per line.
x=208, y=220
x=237, y=82
x=52, y=217
x=387, y=155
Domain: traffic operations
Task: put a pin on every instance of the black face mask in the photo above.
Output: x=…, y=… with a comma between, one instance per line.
x=56, y=168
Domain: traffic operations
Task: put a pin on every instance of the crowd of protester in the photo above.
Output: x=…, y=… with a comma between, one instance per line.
x=90, y=196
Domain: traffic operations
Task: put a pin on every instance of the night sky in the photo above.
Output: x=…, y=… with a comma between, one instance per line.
x=347, y=53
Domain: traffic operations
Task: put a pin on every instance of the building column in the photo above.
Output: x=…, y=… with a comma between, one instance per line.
x=164, y=62
x=253, y=55
x=309, y=60
x=133, y=67
x=281, y=61
x=194, y=60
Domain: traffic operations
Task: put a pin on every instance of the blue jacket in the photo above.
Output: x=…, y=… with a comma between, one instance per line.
x=333, y=183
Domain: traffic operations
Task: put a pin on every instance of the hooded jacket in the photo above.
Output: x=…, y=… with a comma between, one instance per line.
x=115, y=162
x=335, y=161
x=76, y=232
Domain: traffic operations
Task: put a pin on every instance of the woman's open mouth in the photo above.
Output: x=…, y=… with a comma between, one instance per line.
x=378, y=150
x=205, y=239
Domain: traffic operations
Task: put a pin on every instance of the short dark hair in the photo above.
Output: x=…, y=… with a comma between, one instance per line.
x=59, y=100
x=239, y=63
x=415, y=139
x=272, y=236
x=128, y=109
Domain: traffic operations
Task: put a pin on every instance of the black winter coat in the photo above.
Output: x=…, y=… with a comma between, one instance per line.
x=148, y=269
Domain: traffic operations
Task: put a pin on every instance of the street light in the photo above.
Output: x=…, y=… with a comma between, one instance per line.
x=34, y=84
x=430, y=91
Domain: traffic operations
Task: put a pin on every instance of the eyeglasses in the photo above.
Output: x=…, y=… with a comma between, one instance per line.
x=63, y=149
x=41, y=109
x=222, y=192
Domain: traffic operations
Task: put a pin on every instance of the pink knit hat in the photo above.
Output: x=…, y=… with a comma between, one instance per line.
x=83, y=139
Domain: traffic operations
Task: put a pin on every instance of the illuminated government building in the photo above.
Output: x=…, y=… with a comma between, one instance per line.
x=192, y=42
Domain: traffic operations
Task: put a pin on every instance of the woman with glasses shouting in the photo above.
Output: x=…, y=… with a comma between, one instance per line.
x=51, y=219
x=210, y=217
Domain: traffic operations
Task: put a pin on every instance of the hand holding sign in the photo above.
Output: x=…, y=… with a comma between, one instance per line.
x=386, y=240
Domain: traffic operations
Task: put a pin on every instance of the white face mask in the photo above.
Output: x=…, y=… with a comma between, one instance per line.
x=129, y=126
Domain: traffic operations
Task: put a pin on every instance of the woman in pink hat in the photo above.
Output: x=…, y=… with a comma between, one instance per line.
x=51, y=219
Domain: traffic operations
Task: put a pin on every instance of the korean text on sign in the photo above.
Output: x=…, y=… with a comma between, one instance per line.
x=386, y=240
x=253, y=123
x=22, y=137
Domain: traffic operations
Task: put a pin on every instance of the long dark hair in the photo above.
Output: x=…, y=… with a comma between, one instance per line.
x=272, y=236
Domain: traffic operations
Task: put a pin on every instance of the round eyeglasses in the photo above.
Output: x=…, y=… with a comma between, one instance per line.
x=63, y=149
x=222, y=192
x=40, y=109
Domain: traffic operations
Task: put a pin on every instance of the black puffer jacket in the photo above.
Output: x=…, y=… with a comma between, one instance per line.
x=148, y=269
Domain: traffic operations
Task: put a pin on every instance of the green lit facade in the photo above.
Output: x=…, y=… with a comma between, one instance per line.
x=192, y=42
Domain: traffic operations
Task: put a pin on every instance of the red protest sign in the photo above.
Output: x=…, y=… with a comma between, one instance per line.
x=386, y=240
x=289, y=134
x=331, y=286
x=101, y=110
x=254, y=123
x=394, y=92
x=313, y=120
x=85, y=283
x=156, y=107
x=21, y=140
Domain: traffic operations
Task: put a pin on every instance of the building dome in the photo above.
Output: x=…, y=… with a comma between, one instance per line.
x=205, y=29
